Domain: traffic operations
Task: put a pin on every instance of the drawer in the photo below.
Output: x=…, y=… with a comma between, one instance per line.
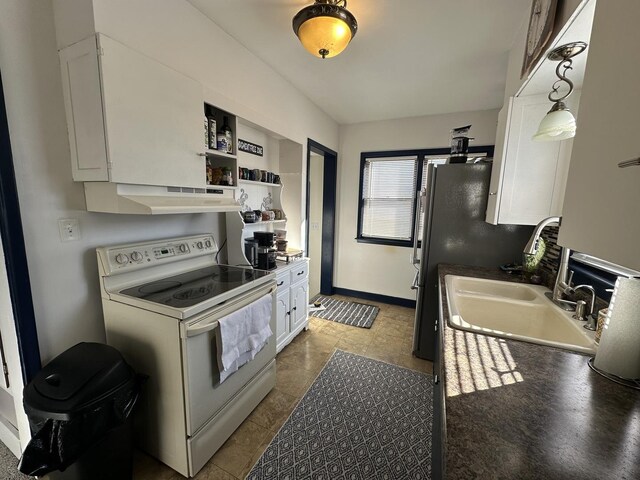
x=283, y=280
x=299, y=272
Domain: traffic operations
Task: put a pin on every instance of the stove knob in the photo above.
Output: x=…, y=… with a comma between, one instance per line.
x=122, y=259
x=207, y=244
x=183, y=248
x=136, y=256
x=199, y=245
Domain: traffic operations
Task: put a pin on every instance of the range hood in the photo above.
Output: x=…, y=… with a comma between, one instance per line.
x=110, y=197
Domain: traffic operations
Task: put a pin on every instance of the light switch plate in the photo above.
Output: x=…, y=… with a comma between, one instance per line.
x=69, y=229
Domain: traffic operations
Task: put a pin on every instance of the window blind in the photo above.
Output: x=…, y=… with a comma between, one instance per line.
x=388, y=197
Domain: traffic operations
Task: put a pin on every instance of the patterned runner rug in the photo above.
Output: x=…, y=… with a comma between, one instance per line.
x=349, y=313
x=360, y=419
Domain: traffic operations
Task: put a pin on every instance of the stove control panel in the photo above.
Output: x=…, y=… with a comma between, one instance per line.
x=135, y=256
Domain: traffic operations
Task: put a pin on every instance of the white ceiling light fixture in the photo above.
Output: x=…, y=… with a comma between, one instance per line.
x=559, y=123
x=325, y=28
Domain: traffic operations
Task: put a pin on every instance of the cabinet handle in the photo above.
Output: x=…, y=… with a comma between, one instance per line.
x=436, y=379
x=493, y=193
x=300, y=273
x=294, y=308
x=629, y=163
x=288, y=313
x=280, y=284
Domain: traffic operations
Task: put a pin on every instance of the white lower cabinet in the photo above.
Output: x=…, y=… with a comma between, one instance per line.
x=292, y=301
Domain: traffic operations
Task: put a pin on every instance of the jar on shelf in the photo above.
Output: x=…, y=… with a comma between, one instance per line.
x=209, y=172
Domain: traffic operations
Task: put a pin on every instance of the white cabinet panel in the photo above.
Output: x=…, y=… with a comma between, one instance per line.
x=83, y=107
x=529, y=177
x=292, y=301
x=300, y=303
x=282, y=316
x=131, y=119
x=153, y=119
x=600, y=214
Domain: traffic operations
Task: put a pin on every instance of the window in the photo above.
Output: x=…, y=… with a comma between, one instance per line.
x=389, y=186
x=388, y=195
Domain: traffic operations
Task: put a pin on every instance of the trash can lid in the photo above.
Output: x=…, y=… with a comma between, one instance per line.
x=76, y=378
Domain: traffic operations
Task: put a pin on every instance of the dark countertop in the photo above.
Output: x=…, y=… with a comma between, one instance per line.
x=516, y=410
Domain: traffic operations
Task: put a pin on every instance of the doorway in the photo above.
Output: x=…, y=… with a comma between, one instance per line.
x=322, y=166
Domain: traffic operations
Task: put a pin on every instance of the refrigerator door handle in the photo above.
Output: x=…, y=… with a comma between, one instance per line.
x=419, y=207
x=414, y=285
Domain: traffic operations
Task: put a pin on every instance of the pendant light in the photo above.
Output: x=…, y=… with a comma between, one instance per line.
x=325, y=28
x=559, y=123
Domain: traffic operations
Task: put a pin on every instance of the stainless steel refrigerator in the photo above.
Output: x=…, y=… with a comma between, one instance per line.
x=454, y=231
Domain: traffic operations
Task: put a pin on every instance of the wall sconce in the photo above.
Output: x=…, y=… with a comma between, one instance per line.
x=325, y=28
x=559, y=123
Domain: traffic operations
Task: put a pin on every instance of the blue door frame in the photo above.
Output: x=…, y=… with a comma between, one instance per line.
x=15, y=254
x=330, y=172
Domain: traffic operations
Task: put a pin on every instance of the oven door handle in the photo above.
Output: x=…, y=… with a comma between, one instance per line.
x=200, y=329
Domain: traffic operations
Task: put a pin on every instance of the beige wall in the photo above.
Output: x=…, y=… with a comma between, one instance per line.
x=384, y=269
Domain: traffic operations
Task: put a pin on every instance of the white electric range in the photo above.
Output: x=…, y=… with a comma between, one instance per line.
x=161, y=302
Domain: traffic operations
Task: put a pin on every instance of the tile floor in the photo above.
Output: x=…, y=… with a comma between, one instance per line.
x=389, y=339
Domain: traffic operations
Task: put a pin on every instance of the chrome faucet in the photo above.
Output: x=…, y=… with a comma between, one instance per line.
x=562, y=286
x=591, y=319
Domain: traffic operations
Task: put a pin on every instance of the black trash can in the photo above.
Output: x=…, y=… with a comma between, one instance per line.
x=79, y=408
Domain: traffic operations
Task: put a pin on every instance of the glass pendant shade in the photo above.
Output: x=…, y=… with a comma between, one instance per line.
x=321, y=34
x=325, y=28
x=558, y=124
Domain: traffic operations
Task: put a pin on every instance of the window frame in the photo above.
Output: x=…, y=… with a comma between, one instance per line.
x=420, y=155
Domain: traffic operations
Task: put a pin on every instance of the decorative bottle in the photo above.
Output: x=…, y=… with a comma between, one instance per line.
x=228, y=133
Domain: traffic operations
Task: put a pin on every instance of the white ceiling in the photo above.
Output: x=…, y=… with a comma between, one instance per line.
x=409, y=57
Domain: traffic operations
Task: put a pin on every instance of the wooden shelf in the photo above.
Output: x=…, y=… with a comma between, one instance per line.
x=264, y=184
x=265, y=222
x=218, y=153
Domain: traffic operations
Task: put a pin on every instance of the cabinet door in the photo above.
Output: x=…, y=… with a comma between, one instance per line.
x=282, y=316
x=83, y=108
x=531, y=175
x=153, y=119
x=600, y=215
x=300, y=303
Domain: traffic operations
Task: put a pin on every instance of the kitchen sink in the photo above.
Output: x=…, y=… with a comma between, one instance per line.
x=515, y=311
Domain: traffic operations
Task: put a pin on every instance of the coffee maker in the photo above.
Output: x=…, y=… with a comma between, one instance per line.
x=266, y=250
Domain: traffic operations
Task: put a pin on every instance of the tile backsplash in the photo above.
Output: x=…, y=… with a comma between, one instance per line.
x=549, y=266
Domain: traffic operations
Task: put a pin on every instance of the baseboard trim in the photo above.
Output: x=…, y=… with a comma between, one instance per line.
x=376, y=297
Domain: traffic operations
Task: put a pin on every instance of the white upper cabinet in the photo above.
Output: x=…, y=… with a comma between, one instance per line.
x=528, y=177
x=131, y=119
x=601, y=213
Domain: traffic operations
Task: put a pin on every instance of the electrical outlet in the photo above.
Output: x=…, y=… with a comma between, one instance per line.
x=69, y=229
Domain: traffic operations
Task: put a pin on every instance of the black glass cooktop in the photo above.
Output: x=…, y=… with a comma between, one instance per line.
x=190, y=288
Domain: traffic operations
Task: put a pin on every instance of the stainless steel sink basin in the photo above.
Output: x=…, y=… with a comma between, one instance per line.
x=515, y=311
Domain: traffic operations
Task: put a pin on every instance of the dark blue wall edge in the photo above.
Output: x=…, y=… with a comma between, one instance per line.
x=15, y=254
x=376, y=297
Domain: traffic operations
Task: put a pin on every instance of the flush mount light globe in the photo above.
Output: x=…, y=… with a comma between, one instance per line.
x=559, y=123
x=325, y=28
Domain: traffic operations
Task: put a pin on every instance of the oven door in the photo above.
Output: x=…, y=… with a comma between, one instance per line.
x=205, y=395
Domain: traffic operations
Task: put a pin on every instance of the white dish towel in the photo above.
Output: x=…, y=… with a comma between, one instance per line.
x=243, y=334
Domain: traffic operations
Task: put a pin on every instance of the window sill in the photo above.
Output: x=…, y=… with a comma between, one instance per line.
x=385, y=241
